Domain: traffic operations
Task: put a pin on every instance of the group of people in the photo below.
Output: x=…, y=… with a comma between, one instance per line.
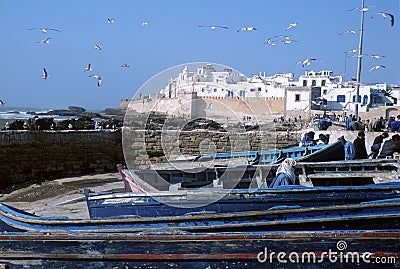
x=380, y=148
x=309, y=139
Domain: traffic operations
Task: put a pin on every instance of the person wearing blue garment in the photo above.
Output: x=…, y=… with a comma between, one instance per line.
x=285, y=174
x=349, y=151
x=308, y=139
x=348, y=121
x=324, y=124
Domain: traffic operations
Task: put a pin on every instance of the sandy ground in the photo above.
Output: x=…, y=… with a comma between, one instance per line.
x=62, y=197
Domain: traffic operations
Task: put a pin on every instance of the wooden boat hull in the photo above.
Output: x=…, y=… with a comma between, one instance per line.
x=321, y=152
x=377, y=215
x=311, y=174
x=212, y=250
x=107, y=205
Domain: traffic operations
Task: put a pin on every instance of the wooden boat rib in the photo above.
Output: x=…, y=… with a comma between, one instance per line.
x=384, y=214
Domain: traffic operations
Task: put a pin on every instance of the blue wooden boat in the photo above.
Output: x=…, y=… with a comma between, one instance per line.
x=376, y=215
x=320, y=152
x=177, y=249
x=310, y=174
x=155, y=204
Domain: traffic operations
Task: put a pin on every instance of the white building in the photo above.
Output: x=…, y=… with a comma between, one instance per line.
x=208, y=82
x=334, y=95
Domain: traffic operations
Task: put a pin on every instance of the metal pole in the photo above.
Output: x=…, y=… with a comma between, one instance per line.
x=345, y=66
x=360, y=47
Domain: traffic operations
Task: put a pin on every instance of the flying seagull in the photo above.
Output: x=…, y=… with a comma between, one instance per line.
x=376, y=67
x=44, y=73
x=364, y=9
x=291, y=25
x=125, y=65
x=353, y=50
x=2, y=102
x=269, y=42
x=44, y=30
x=98, y=79
x=247, y=28
x=110, y=20
x=306, y=62
x=385, y=15
x=376, y=56
x=97, y=47
x=45, y=41
x=351, y=32
x=213, y=27
x=145, y=23
x=88, y=68
x=287, y=40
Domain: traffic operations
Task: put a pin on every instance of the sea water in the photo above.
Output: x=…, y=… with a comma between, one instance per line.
x=10, y=114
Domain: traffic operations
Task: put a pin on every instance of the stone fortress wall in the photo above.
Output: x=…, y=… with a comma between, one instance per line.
x=191, y=106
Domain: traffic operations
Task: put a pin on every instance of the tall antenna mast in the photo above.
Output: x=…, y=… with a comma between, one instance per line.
x=360, y=47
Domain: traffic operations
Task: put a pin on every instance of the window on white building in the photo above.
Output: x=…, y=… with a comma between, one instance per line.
x=341, y=98
x=304, y=83
x=359, y=99
x=313, y=82
x=323, y=82
x=365, y=100
x=297, y=97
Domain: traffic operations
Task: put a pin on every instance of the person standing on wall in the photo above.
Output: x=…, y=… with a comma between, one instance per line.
x=359, y=145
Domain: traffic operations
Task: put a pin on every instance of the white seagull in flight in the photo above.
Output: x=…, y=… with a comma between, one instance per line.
x=306, y=62
x=110, y=20
x=269, y=42
x=376, y=67
x=125, y=65
x=98, y=79
x=213, y=27
x=97, y=47
x=247, y=28
x=351, y=32
x=45, y=41
x=44, y=73
x=385, y=15
x=291, y=25
x=88, y=68
x=2, y=102
x=44, y=30
x=376, y=56
x=364, y=9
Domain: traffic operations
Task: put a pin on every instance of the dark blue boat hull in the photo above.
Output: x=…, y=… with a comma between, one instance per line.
x=124, y=204
x=213, y=250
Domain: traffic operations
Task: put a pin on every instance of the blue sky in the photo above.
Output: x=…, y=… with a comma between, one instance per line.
x=173, y=37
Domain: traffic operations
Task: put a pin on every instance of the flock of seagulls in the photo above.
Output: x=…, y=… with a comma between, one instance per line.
x=285, y=39
x=88, y=68
x=374, y=56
